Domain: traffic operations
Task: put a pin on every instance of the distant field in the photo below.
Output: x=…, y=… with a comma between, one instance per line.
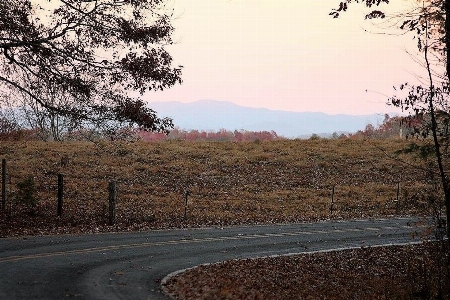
x=229, y=183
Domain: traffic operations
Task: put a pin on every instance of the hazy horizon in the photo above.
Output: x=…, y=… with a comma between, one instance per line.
x=288, y=55
x=393, y=112
x=210, y=115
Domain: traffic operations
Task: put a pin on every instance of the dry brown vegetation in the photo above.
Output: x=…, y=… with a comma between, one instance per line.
x=230, y=183
x=395, y=272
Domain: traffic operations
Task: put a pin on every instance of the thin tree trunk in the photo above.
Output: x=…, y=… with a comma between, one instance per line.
x=447, y=36
x=437, y=146
x=444, y=179
x=445, y=183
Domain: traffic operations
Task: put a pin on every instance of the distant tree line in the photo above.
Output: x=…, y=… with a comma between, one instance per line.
x=11, y=129
x=31, y=129
x=392, y=127
x=202, y=135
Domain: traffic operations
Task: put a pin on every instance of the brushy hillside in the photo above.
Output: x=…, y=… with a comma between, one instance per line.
x=229, y=183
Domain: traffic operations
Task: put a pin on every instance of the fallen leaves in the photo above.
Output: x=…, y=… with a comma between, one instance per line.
x=395, y=272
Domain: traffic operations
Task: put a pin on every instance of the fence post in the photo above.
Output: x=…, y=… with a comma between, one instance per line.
x=186, y=204
x=398, y=190
x=398, y=196
x=3, y=184
x=332, y=200
x=60, y=193
x=112, y=202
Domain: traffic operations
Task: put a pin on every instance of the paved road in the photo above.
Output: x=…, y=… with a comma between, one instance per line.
x=131, y=265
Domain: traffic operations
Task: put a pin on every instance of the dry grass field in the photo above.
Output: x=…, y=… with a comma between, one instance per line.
x=229, y=183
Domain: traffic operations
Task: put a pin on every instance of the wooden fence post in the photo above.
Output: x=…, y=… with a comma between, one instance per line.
x=398, y=190
x=332, y=200
x=398, y=196
x=186, y=204
x=112, y=202
x=60, y=193
x=3, y=184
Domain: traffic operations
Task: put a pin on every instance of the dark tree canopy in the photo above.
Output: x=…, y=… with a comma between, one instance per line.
x=91, y=53
x=343, y=6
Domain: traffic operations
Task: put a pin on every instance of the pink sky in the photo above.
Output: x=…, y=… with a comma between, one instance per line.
x=286, y=55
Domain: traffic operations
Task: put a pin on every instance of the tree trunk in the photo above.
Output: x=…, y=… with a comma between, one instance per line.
x=447, y=36
x=445, y=183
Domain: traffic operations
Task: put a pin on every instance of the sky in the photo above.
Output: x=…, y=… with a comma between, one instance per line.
x=287, y=55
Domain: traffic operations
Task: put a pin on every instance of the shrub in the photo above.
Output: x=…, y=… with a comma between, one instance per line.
x=26, y=192
x=314, y=137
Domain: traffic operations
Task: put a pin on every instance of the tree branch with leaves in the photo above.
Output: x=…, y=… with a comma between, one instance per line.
x=94, y=53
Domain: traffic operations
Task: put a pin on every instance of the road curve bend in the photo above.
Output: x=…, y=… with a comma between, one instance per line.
x=132, y=265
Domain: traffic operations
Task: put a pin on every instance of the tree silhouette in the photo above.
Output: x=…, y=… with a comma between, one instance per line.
x=93, y=54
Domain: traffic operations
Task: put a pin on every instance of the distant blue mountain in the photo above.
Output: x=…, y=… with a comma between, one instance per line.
x=214, y=115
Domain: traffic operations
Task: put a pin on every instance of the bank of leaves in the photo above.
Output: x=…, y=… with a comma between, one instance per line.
x=395, y=272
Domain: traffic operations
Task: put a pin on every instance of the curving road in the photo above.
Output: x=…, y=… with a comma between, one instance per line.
x=132, y=265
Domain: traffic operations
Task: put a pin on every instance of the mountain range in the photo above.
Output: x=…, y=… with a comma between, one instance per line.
x=211, y=115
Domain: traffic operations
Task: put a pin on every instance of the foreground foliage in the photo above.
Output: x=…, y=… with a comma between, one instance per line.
x=68, y=64
x=229, y=183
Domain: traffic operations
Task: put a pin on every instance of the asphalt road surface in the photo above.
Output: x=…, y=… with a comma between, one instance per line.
x=132, y=265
